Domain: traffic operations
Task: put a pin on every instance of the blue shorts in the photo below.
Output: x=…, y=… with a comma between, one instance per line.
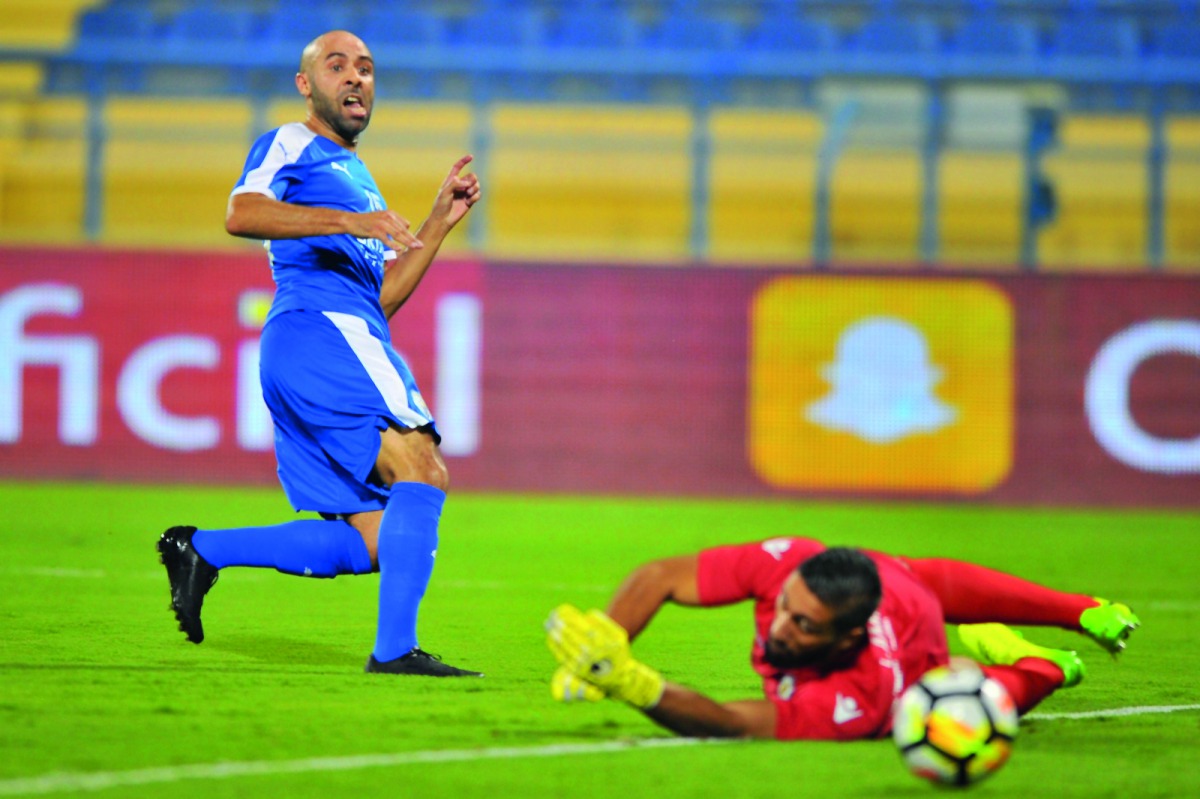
x=332, y=386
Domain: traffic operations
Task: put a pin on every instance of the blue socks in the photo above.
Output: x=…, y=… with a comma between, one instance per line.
x=408, y=539
x=307, y=547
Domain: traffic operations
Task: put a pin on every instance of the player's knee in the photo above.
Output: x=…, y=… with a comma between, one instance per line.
x=436, y=474
x=432, y=474
x=411, y=460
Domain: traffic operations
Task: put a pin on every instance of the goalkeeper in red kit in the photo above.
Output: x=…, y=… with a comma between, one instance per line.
x=839, y=634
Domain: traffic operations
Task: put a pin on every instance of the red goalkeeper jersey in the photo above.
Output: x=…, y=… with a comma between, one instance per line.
x=907, y=637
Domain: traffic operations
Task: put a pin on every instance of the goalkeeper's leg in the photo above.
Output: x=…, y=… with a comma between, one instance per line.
x=972, y=594
x=1028, y=681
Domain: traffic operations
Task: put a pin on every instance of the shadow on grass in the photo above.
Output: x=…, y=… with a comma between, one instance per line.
x=277, y=650
x=250, y=654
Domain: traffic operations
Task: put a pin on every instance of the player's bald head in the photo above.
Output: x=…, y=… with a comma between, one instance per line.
x=330, y=42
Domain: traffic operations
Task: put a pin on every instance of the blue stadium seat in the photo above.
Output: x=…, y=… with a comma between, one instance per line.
x=494, y=49
x=1173, y=53
x=383, y=27
x=1177, y=39
x=499, y=28
x=693, y=31
x=783, y=31
x=892, y=44
x=988, y=34
x=205, y=24
x=106, y=35
x=103, y=25
x=592, y=27
x=1093, y=48
x=1094, y=37
x=893, y=34
x=288, y=29
x=987, y=45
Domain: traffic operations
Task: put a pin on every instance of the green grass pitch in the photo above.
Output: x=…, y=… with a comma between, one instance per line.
x=100, y=695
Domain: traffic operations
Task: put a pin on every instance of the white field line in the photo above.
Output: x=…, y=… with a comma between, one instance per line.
x=103, y=780
x=1112, y=712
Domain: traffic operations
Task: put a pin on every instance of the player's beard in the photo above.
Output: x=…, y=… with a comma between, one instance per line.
x=783, y=658
x=330, y=109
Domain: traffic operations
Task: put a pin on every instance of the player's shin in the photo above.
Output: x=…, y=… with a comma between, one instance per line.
x=305, y=547
x=408, y=540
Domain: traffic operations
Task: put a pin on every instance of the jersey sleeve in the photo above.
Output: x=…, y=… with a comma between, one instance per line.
x=841, y=707
x=734, y=573
x=264, y=171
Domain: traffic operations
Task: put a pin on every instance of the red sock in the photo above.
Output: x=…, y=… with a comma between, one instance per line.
x=1029, y=681
x=970, y=594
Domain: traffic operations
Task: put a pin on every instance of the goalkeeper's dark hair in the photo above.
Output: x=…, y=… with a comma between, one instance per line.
x=846, y=581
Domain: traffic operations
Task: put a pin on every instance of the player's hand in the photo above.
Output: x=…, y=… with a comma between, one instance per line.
x=595, y=649
x=566, y=687
x=456, y=195
x=386, y=226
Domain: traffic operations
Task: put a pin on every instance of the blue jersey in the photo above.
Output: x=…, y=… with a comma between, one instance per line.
x=337, y=273
x=329, y=373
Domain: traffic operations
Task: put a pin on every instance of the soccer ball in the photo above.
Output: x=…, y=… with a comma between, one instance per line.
x=955, y=725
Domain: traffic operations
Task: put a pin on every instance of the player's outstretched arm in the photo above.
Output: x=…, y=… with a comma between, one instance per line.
x=456, y=196
x=651, y=586
x=257, y=216
x=687, y=712
x=593, y=650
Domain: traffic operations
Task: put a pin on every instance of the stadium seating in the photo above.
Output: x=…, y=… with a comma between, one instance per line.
x=762, y=184
x=1181, y=212
x=875, y=193
x=1054, y=39
x=875, y=207
x=986, y=45
x=42, y=187
x=599, y=182
x=1100, y=176
x=980, y=196
x=169, y=165
x=981, y=177
x=20, y=79
x=678, y=107
x=39, y=25
x=589, y=27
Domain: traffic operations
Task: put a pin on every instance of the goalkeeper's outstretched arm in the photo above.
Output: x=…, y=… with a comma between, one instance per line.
x=651, y=586
x=595, y=661
x=686, y=712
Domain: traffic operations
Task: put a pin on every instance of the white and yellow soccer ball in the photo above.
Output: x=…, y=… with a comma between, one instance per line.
x=955, y=725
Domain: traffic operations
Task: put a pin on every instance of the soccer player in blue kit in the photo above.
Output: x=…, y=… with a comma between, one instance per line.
x=354, y=440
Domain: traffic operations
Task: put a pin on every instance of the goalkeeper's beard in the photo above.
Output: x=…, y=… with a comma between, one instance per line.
x=779, y=656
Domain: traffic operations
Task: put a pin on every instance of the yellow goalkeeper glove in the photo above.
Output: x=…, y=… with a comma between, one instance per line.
x=595, y=649
x=566, y=687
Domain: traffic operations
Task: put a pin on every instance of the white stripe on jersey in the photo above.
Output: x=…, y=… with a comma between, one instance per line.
x=290, y=140
x=379, y=367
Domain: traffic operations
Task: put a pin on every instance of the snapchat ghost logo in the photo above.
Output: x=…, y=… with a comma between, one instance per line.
x=882, y=383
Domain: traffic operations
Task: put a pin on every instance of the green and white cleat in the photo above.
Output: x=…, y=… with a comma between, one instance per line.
x=1000, y=645
x=1109, y=624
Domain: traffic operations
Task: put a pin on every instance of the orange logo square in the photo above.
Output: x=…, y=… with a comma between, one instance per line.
x=881, y=384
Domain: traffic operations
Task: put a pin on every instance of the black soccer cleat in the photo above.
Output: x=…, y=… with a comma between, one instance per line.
x=191, y=576
x=418, y=663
